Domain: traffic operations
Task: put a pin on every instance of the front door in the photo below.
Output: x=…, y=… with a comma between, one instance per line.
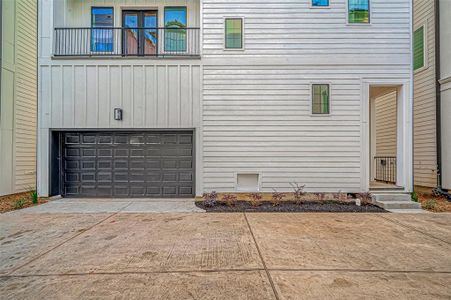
x=140, y=33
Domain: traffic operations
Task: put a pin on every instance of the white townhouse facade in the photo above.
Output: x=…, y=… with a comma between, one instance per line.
x=174, y=98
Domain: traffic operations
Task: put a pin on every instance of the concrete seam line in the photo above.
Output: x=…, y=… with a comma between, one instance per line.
x=62, y=243
x=414, y=229
x=224, y=271
x=136, y=273
x=271, y=282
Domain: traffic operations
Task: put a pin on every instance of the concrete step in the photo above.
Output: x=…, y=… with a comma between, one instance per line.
x=389, y=205
x=392, y=197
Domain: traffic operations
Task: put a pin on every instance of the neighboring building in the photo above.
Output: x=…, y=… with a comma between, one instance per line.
x=224, y=95
x=432, y=94
x=18, y=99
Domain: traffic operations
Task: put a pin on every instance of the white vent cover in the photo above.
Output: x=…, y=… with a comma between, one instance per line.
x=247, y=182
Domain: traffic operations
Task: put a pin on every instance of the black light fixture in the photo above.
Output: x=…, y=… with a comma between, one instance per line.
x=118, y=114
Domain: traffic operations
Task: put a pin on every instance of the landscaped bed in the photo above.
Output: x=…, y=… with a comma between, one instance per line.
x=19, y=201
x=297, y=201
x=291, y=206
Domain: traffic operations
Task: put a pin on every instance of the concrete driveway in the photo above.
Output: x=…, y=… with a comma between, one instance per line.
x=79, y=253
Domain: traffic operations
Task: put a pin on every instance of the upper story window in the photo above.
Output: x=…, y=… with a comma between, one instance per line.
x=234, y=33
x=102, y=39
x=320, y=99
x=175, y=22
x=320, y=3
x=359, y=11
x=418, y=49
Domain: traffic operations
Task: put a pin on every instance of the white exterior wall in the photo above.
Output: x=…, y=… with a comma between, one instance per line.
x=254, y=104
x=18, y=100
x=425, y=133
x=445, y=80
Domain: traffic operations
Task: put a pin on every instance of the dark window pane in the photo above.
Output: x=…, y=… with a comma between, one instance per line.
x=175, y=32
x=102, y=39
x=418, y=48
x=234, y=33
x=320, y=99
x=320, y=2
x=359, y=11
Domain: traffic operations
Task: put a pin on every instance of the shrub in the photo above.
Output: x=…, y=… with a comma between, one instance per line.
x=210, y=199
x=430, y=204
x=19, y=204
x=277, y=198
x=298, y=192
x=365, y=197
x=34, y=197
x=229, y=199
x=255, y=199
x=414, y=196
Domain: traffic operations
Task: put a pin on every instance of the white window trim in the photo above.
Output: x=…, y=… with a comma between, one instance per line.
x=319, y=7
x=311, y=99
x=425, y=47
x=359, y=24
x=242, y=33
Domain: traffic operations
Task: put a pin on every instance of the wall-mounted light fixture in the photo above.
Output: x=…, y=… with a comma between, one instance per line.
x=118, y=114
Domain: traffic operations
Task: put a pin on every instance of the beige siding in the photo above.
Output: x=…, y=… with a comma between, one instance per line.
x=18, y=96
x=26, y=94
x=386, y=124
x=425, y=150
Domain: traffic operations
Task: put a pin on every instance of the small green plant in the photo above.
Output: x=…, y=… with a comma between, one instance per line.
x=430, y=204
x=34, y=197
x=414, y=196
x=277, y=198
x=19, y=204
x=229, y=199
x=255, y=199
x=210, y=199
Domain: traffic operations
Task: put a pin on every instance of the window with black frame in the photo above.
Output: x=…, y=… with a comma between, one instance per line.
x=101, y=36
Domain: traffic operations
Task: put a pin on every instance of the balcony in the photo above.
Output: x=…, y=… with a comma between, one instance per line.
x=126, y=42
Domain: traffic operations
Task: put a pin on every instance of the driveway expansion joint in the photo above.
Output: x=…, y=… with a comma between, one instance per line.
x=415, y=229
x=276, y=295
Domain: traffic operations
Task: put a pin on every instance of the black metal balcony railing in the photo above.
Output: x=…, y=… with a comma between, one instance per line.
x=127, y=42
x=385, y=169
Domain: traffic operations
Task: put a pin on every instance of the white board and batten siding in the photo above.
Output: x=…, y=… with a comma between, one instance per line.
x=257, y=102
x=18, y=110
x=425, y=127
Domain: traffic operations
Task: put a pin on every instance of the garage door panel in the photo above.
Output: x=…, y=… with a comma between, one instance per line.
x=112, y=164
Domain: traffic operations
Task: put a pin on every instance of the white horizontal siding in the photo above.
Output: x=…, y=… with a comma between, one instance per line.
x=292, y=28
x=151, y=96
x=425, y=145
x=258, y=120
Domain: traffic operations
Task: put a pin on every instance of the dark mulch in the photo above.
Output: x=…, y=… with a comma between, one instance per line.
x=288, y=206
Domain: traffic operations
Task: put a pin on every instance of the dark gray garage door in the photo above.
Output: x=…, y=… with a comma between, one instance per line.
x=128, y=164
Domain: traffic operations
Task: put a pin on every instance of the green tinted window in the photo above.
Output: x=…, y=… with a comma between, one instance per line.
x=234, y=33
x=320, y=99
x=418, y=48
x=359, y=11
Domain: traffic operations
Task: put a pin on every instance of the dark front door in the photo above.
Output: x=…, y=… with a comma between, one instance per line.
x=128, y=164
x=140, y=32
